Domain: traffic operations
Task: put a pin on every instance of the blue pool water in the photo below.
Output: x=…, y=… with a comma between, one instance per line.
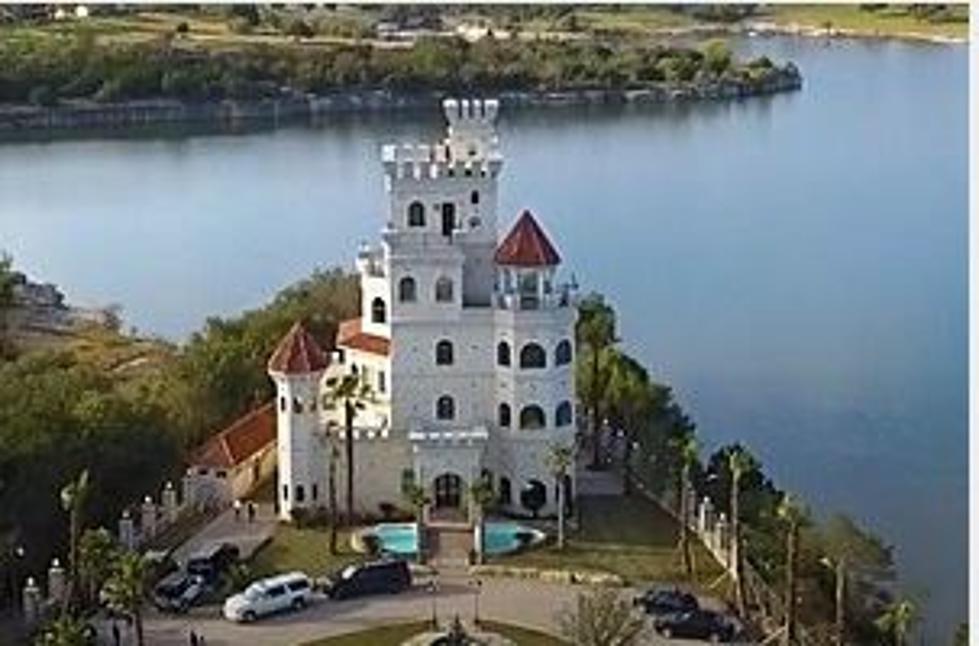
x=402, y=538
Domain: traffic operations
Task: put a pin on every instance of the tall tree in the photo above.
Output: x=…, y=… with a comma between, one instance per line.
x=351, y=393
x=560, y=459
x=595, y=331
x=632, y=400
x=332, y=491
x=73, y=498
x=687, y=450
x=793, y=514
x=6, y=296
x=126, y=589
x=416, y=497
x=481, y=496
x=739, y=462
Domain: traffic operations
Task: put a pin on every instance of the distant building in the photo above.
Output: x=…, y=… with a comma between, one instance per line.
x=465, y=342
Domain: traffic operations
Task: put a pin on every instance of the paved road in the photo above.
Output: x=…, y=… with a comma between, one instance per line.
x=529, y=603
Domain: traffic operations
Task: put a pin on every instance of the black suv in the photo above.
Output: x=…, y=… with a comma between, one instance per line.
x=696, y=624
x=378, y=577
x=661, y=601
x=212, y=561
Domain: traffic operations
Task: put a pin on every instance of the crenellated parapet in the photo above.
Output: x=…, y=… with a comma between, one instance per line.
x=424, y=162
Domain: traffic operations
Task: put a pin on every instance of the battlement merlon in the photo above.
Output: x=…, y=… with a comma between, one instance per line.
x=424, y=162
x=471, y=112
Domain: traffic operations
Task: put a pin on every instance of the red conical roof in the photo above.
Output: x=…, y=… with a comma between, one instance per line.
x=527, y=245
x=298, y=353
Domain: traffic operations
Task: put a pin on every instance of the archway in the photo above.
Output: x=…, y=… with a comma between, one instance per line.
x=448, y=491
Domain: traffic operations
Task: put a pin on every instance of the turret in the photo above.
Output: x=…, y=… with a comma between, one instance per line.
x=297, y=368
x=526, y=266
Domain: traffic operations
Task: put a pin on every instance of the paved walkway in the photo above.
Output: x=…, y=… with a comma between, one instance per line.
x=247, y=535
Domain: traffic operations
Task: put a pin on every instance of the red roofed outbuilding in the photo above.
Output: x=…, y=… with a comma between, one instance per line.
x=233, y=462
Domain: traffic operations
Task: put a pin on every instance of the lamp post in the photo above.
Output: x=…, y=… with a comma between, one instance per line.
x=478, y=587
x=433, y=588
x=839, y=570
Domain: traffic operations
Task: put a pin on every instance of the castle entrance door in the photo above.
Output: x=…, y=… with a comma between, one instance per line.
x=448, y=491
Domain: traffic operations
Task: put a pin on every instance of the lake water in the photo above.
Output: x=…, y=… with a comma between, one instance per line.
x=795, y=266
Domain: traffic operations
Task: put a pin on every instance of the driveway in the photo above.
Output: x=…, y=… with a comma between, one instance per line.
x=226, y=528
x=533, y=604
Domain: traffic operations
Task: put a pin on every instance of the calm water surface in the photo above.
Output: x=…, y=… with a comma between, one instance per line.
x=796, y=266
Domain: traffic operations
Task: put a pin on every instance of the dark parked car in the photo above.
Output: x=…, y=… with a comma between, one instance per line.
x=213, y=561
x=696, y=624
x=378, y=577
x=178, y=592
x=662, y=601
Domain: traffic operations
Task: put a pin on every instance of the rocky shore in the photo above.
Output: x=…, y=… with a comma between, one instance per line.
x=87, y=114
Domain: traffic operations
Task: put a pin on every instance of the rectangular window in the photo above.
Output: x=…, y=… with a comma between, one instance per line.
x=407, y=479
x=285, y=492
x=382, y=385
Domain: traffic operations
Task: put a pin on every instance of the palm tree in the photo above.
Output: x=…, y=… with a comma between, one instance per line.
x=352, y=393
x=96, y=553
x=898, y=619
x=126, y=589
x=560, y=460
x=67, y=631
x=739, y=462
x=73, y=497
x=687, y=450
x=793, y=514
x=633, y=400
x=481, y=496
x=595, y=330
x=331, y=485
x=414, y=494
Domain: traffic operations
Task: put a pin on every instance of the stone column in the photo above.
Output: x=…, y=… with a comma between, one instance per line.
x=705, y=516
x=721, y=538
x=190, y=491
x=57, y=583
x=31, y=598
x=127, y=531
x=148, y=519
x=170, y=508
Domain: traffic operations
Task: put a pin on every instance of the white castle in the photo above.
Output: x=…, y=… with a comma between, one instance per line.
x=466, y=344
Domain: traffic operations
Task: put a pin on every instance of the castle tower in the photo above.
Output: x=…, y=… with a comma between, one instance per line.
x=297, y=368
x=535, y=347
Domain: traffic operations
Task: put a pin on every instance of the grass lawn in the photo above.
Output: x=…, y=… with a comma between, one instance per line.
x=894, y=20
x=307, y=550
x=631, y=537
x=397, y=633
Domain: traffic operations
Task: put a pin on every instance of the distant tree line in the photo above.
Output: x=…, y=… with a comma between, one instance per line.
x=46, y=70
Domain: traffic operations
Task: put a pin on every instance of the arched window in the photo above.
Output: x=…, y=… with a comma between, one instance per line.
x=474, y=197
x=445, y=408
x=532, y=356
x=282, y=404
x=378, y=311
x=297, y=405
x=443, y=290
x=407, y=292
x=300, y=493
x=562, y=416
x=534, y=496
x=503, y=354
x=443, y=353
x=532, y=417
x=504, y=415
x=416, y=214
x=562, y=354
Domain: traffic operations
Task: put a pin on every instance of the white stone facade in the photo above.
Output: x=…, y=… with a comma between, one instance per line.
x=447, y=403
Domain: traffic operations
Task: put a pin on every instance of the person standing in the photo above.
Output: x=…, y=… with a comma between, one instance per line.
x=237, y=506
x=251, y=511
x=116, y=634
x=194, y=641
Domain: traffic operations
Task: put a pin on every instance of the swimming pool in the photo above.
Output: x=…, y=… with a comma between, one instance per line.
x=498, y=537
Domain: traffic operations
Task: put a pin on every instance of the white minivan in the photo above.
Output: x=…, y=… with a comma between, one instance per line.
x=266, y=596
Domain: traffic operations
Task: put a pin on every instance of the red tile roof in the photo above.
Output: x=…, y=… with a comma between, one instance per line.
x=298, y=353
x=349, y=335
x=234, y=445
x=527, y=245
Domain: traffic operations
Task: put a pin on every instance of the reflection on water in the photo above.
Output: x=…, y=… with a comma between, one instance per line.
x=794, y=265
